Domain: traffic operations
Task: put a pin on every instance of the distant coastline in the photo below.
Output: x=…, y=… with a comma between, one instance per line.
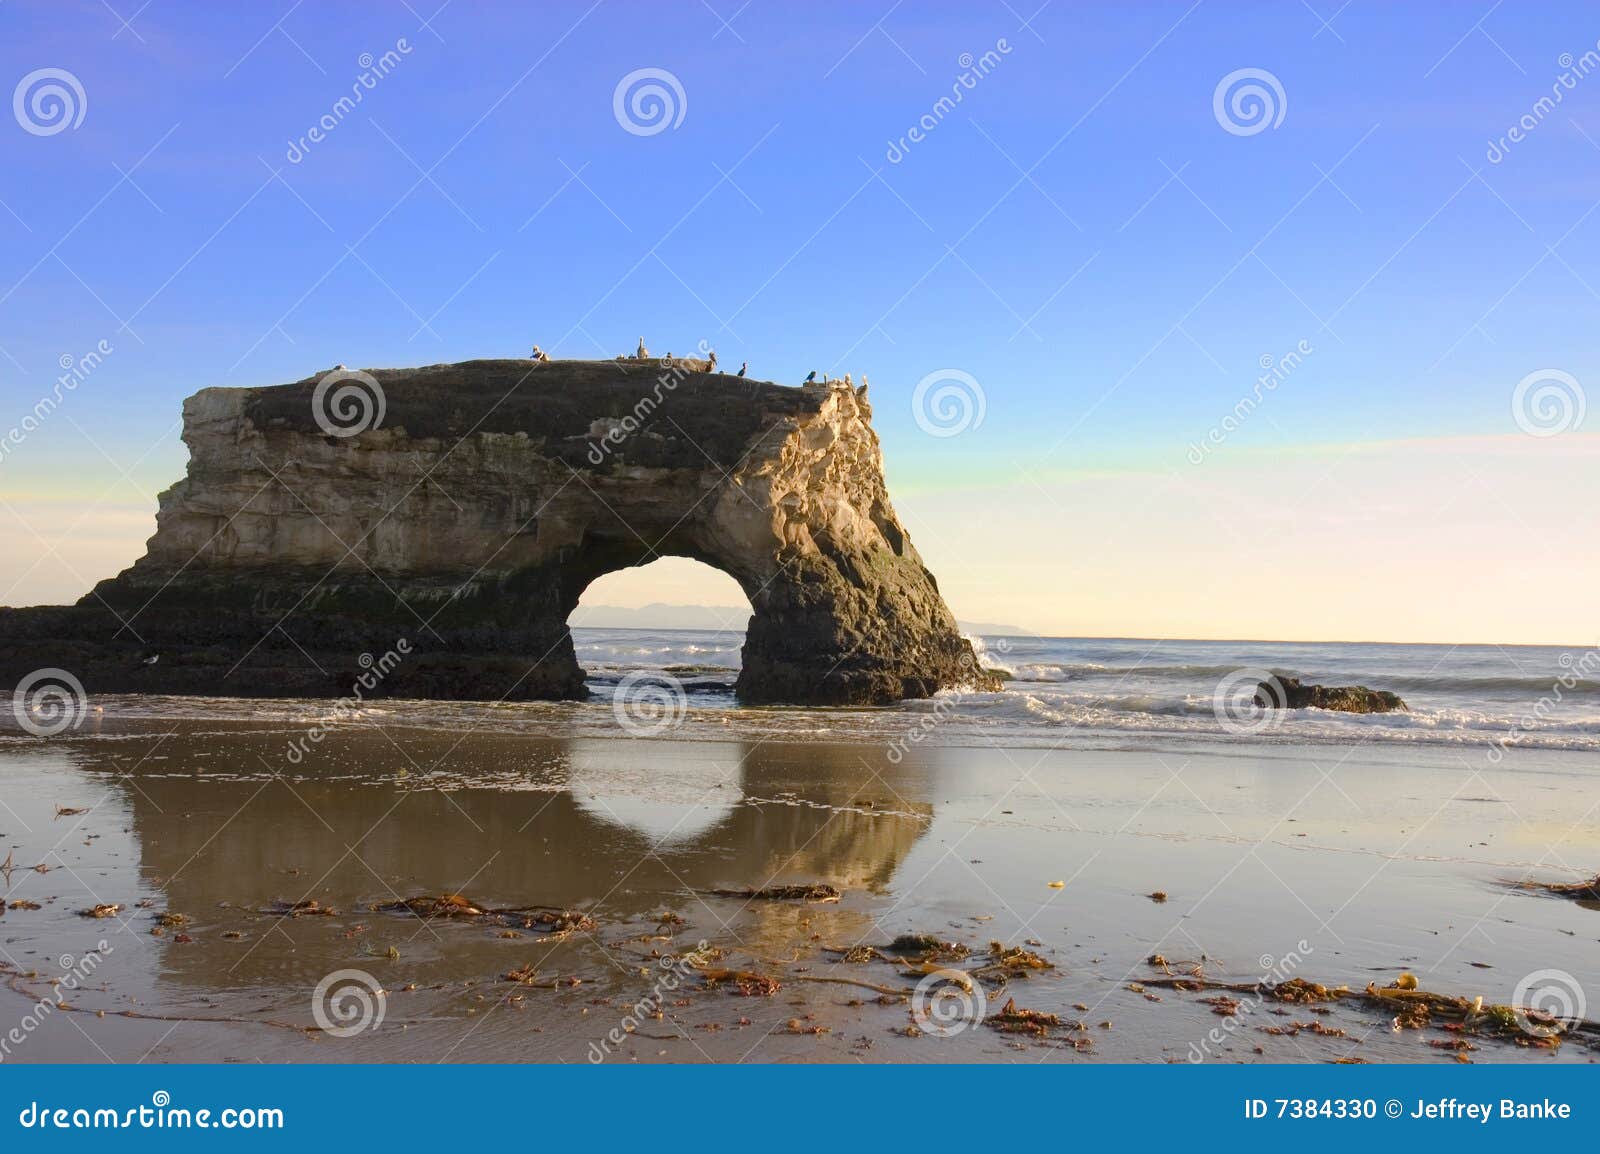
x=659, y=615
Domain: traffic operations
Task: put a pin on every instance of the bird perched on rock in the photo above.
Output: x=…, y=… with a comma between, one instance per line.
x=848, y=381
x=643, y=352
x=539, y=354
x=712, y=366
x=744, y=367
x=812, y=376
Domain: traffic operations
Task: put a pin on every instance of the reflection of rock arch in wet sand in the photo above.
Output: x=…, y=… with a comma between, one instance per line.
x=507, y=846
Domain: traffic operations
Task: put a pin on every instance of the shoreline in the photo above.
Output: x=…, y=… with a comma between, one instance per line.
x=965, y=719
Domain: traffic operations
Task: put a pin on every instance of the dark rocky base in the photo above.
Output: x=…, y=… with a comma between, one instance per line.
x=203, y=650
x=802, y=661
x=83, y=641
x=764, y=683
x=1290, y=693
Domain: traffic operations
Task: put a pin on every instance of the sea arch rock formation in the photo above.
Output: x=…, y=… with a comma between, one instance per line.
x=461, y=509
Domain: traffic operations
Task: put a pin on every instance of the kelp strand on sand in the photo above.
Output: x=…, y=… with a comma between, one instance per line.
x=746, y=983
x=1408, y=1007
x=1581, y=891
x=806, y=893
x=919, y=955
x=310, y=908
x=1013, y=1019
x=528, y=975
x=547, y=919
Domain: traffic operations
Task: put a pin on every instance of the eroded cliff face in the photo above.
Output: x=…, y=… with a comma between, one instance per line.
x=469, y=518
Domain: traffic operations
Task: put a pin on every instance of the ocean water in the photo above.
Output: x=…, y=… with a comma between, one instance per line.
x=1524, y=696
x=1062, y=692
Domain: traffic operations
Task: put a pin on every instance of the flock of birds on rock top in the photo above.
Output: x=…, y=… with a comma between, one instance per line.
x=643, y=353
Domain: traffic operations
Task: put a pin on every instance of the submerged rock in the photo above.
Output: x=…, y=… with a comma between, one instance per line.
x=1290, y=693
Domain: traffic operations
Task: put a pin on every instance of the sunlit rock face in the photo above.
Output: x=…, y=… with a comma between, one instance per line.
x=427, y=532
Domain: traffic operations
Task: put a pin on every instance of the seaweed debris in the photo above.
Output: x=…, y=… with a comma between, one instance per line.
x=745, y=983
x=1014, y=1019
x=546, y=919
x=811, y=893
x=1408, y=1008
x=528, y=975
x=1004, y=962
x=926, y=948
x=310, y=908
x=1586, y=891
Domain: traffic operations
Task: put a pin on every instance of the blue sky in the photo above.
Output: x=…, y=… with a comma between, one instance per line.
x=1082, y=236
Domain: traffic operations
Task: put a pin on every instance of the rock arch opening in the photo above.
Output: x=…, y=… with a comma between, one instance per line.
x=675, y=616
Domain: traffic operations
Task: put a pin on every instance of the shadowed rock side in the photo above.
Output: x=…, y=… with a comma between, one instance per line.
x=470, y=520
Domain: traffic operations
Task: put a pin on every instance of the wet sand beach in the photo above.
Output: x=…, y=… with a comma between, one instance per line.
x=1338, y=864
